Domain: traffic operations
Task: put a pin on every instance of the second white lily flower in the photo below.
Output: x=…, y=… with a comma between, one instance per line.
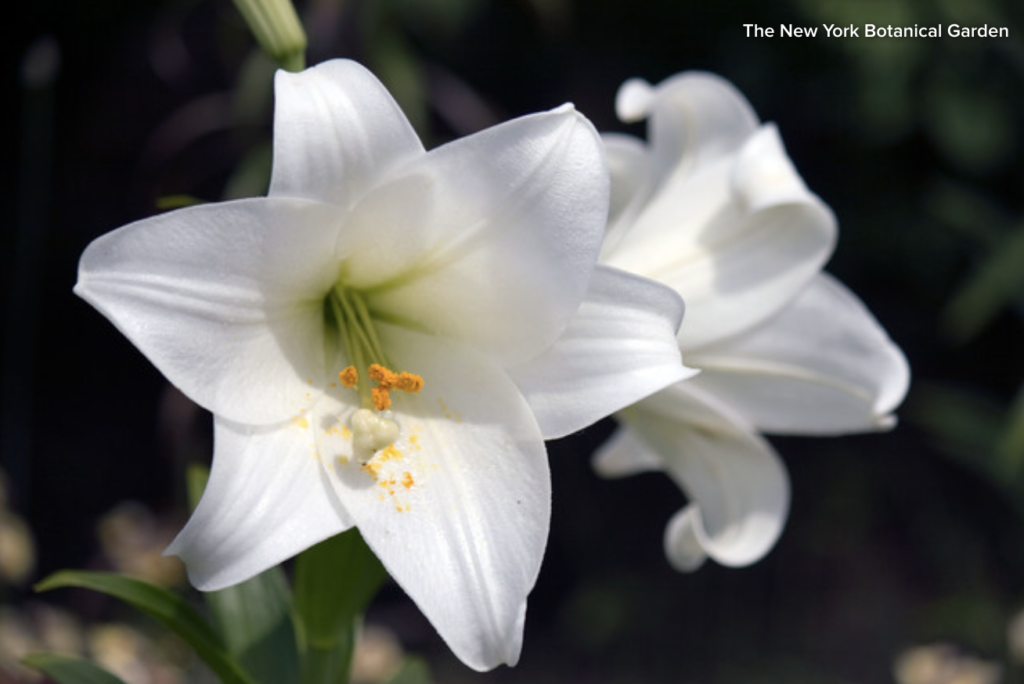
x=386, y=340
x=713, y=207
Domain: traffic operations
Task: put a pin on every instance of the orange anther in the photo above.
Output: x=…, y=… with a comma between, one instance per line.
x=381, y=398
x=409, y=382
x=348, y=377
x=382, y=375
x=388, y=380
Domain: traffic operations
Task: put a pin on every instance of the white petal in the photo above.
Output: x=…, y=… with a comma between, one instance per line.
x=458, y=507
x=224, y=299
x=624, y=454
x=737, y=240
x=728, y=472
x=695, y=118
x=698, y=123
x=619, y=348
x=265, y=502
x=684, y=540
x=633, y=101
x=337, y=133
x=629, y=167
x=490, y=239
x=821, y=366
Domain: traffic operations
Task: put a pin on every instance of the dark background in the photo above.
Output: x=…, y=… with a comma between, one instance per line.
x=894, y=540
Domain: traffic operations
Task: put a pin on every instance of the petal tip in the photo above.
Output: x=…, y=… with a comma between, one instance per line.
x=683, y=547
x=633, y=101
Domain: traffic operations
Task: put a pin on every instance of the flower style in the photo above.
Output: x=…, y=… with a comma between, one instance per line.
x=386, y=339
x=714, y=208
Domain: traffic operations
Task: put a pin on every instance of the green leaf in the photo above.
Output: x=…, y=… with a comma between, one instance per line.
x=196, y=477
x=334, y=582
x=254, y=618
x=962, y=422
x=168, y=202
x=991, y=288
x=970, y=124
x=1010, y=445
x=413, y=671
x=67, y=670
x=971, y=213
x=167, y=607
x=973, y=429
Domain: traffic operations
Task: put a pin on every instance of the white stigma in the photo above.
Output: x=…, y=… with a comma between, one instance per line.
x=371, y=432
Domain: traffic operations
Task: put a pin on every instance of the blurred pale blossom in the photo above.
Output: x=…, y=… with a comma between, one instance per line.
x=377, y=656
x=17, y=546
x=386, y=340
x=133, y=540
x=17, y=549
x=1015, y=637
x=33, y=628
x=712, y=207
x=129, y=654
x=944, y=664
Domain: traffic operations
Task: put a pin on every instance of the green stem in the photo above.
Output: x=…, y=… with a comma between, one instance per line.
x=334, y=583
x=277, y=29
x=330, y=661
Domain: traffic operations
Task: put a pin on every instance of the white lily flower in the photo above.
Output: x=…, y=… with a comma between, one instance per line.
x=713, y=208
x=386, y=339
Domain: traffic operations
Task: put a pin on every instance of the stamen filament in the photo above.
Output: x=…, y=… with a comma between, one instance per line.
x=359, y=324
x=362, y=345
x=364, y=350
x=368, y=328
x=349, y=335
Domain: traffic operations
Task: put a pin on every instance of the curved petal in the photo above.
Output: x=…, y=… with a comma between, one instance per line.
x=619, y=348
x=224, y=299
x=821, y=366
x=684, y=540
x=265, y=502
x=695, y=117
x=490, y=239
x=737, y=240
x=624, y=454
x=629, y=167
x=737, y=485
x=697, y=123
x=337, y=133
x=458, y=507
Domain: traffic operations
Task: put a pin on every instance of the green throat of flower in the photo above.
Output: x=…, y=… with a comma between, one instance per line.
x=372, y=426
